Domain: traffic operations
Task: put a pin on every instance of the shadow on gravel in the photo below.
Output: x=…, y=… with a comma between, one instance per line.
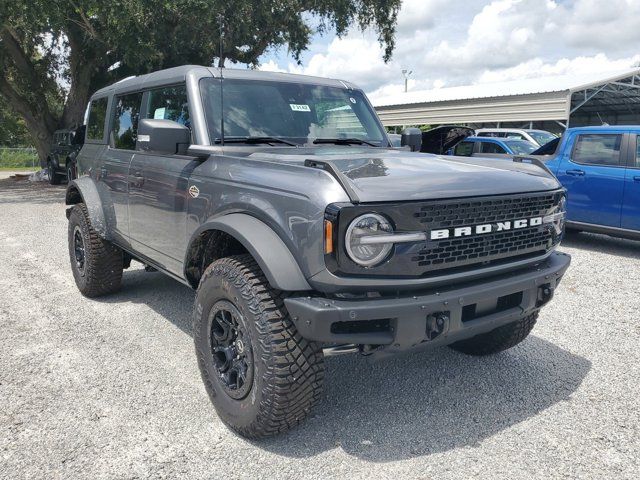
x=602, y=244
x=20, y=191
x=408, y=406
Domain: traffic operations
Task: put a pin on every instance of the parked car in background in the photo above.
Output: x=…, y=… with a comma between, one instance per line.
x=600, y=168
x=492, y=147
x=441, y=139
x=548, y=148
x=61, y=161
x=437, y=140
x=539, y=137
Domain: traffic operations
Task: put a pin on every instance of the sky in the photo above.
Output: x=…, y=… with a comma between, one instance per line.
x=462, y=42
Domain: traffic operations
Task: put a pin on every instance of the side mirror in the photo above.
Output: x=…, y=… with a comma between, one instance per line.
x=162, y=136
x=412, y=137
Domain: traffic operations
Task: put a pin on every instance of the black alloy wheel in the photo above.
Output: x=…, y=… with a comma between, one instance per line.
x=79, y=249
x=231, y=349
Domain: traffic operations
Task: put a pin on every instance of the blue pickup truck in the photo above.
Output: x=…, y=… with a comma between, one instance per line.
x=600, y=168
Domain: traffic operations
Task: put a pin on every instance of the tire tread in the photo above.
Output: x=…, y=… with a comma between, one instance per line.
x=103, y=261
x=294, y=366
x=498, y=340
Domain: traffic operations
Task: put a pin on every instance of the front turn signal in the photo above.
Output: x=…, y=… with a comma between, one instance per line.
x=328, y=236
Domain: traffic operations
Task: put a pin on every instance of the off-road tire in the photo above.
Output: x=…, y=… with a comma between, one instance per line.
x=288, y=371
x=103, y=264
x=498, y=340
x=54, y=178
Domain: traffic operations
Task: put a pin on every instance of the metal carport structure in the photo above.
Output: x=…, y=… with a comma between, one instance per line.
x=552, y=103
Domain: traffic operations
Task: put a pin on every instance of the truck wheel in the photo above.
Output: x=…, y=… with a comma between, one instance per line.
x=96, y=263
x=262, y=377
x=54, y=178
x=502, y=338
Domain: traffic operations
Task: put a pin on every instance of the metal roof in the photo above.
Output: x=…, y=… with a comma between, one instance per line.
x=554, y=98
x=557, y=83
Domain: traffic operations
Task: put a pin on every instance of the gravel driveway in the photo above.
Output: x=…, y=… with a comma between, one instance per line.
x=110, y=388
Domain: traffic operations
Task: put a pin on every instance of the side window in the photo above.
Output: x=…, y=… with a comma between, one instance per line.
x=464, y=149
x=125, y=126
x=488, y=147
x=637, y=151
x=170, y=103
x=597, y=149
x=517, y=136
x=96, y=119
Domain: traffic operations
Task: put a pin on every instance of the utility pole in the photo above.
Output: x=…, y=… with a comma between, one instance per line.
x=406, y=74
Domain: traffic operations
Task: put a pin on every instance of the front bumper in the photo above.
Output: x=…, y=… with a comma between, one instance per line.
x=436, y=317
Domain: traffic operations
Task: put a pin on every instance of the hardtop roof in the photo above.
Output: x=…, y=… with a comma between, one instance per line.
x=179, y=74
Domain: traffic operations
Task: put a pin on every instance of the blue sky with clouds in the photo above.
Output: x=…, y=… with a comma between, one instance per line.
x=449, y=43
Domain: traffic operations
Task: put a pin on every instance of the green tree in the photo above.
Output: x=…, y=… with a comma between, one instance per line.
x=13, y=131
x=54, y=53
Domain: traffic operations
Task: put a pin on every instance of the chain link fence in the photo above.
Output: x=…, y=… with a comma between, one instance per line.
x=18, y=158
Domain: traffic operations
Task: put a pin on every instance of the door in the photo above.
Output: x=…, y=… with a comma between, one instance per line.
x=159, y=188
x=114, y=171
x=631, y=200
x=593, y=174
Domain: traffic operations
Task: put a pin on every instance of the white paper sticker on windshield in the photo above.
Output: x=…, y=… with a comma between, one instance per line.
x=159, y=113
x=299, y=108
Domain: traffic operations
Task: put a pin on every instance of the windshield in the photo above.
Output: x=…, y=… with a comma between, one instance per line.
x=520, y=147
x=298, y=113
x=541, y=136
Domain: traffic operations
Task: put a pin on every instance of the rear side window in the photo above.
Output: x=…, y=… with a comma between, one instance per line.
x=598, y=149
x=125, y=126
x=169, y=103
x=464, y=149
x=488, y=147
x=96, y=119
x=515, y=135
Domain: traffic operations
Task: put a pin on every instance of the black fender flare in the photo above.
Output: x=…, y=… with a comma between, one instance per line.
x=265, y=246
x=84, y=190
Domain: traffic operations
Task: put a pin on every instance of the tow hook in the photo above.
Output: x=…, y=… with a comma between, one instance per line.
x=545, y=293
x=437, y=323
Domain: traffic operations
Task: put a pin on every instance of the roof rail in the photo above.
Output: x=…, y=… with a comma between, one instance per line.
x=125, y=79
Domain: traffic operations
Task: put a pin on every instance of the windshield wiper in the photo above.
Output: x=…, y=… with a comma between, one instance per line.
x=344, y=141
x=255, y=140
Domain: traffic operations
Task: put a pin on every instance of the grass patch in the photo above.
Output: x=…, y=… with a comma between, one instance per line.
x=12, y=159
x=19, y=169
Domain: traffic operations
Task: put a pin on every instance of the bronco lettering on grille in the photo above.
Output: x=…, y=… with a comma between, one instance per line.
x=484, y=228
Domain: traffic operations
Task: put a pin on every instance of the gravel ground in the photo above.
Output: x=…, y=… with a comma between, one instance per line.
x=110, y=388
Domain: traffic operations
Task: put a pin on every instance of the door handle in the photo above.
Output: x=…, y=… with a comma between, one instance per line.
x=575, y=173
x=636, y=179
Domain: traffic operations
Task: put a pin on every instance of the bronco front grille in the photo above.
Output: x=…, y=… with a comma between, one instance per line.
x=455, y=254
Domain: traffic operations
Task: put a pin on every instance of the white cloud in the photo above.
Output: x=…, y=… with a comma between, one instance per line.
x=446, y=44
x=537, y=68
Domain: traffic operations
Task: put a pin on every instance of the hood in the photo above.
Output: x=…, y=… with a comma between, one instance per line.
x=385, y=175
x=440, y=139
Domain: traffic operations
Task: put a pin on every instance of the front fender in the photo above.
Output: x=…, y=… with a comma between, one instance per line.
x=266, y=247
x=84, y=190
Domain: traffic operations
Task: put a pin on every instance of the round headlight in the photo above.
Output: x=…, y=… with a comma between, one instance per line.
x=361, y=243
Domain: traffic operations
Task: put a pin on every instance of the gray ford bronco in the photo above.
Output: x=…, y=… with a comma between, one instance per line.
x=278, y=198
